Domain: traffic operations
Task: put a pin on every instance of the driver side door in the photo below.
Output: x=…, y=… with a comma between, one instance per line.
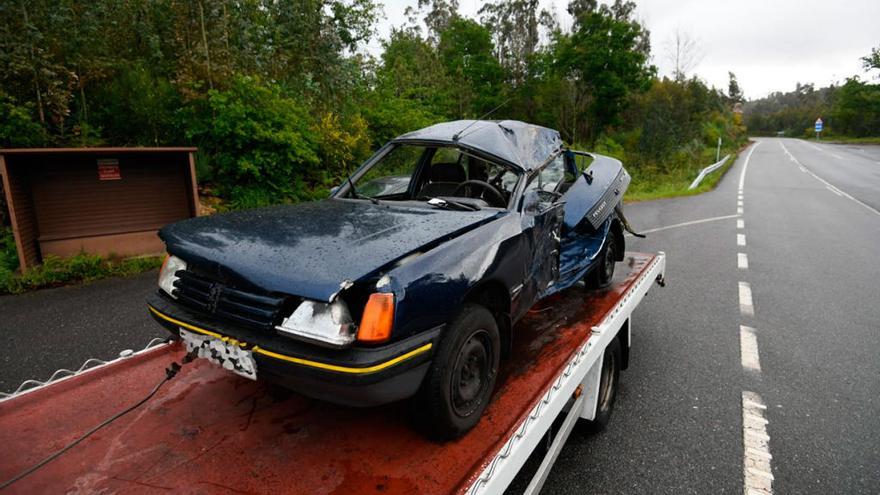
x=542, y=218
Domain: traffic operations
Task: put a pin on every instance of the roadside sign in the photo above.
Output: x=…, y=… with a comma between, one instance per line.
x=108, y=169
x=818, y=125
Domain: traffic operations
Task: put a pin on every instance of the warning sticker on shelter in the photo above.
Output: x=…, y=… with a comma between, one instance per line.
x=108, y=169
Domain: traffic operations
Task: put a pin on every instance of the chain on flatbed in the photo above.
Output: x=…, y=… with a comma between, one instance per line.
x=89, y=365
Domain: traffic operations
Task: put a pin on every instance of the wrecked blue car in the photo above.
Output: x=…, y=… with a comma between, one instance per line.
x=408, y=279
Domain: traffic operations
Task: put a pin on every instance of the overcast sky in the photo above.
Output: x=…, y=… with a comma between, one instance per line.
x=769, y=44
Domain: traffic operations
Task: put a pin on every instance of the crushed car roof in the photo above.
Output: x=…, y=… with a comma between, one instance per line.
x=523, y=145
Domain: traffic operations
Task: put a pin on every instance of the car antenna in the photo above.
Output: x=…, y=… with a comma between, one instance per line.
x=457, y=135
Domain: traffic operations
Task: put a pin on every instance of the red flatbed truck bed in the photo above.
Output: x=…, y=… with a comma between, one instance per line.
x=209, y=431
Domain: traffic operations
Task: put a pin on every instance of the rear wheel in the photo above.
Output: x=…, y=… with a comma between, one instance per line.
x=600, y=276
x=461, y=379
x=608, y=385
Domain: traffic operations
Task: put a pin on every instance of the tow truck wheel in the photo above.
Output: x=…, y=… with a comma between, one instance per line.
x=608, y=381
x=461, y=379
x=600, y=276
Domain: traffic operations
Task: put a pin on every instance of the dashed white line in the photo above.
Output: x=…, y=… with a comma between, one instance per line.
x=739, y=210
x=742, y=175
x=757, y=471
x=742, y=261
x=739, y=203
x=748, y=349
x=745, y=299
x=740, y=239
x=740, y=223
x=823, y=181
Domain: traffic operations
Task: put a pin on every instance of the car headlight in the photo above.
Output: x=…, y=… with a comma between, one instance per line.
x=168, y=273
x=322, y=323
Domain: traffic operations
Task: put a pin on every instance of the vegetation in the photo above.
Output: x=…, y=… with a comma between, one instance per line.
x=848, y=111
x=57, y=271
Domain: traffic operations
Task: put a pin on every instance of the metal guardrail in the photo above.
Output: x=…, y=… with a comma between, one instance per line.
x=708, y=170
x=89, y=365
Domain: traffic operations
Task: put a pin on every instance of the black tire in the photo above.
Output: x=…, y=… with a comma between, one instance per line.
x=600, y=276
x=461, y=379
x=608, y=386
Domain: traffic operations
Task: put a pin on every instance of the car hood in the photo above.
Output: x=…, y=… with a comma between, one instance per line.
x=314, y=249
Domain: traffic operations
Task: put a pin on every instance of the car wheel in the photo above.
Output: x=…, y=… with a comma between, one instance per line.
x=600, y=276
x=608, y=386
x=461, y=379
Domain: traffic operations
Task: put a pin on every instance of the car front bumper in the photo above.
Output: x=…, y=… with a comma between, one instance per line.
x=355, y=376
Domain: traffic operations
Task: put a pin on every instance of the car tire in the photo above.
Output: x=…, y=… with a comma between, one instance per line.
x=461, y=379
x=608, y=386
x=602, y=274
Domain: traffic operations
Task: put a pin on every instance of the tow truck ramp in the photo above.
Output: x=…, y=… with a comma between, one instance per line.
x=208, y=431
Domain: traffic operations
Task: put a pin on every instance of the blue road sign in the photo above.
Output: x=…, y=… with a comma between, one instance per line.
x=818, y=125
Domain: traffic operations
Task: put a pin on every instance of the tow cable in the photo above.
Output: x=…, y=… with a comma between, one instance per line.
x=170, y=372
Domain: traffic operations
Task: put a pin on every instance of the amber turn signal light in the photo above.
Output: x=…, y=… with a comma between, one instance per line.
x=377, y=319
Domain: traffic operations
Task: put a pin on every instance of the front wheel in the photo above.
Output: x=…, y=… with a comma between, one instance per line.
x=462, y=376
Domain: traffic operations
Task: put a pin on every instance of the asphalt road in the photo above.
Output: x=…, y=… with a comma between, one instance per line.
x=811, y=240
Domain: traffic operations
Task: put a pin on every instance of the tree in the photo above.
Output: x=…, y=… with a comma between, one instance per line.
x=684, y=53
x=734, y=93
x=872, y=60
x=601, y=63
x=466, y=51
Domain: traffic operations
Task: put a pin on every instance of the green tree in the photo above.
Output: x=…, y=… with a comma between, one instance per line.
x=476, y=75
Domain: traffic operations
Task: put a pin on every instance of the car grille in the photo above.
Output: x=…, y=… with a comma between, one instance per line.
x=236, y=306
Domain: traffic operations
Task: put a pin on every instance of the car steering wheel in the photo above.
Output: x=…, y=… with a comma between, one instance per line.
x=494, y=195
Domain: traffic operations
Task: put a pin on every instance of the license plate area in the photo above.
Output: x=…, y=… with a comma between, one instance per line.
x=230, y=356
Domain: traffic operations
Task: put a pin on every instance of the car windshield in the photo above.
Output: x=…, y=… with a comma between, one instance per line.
x=415, y=172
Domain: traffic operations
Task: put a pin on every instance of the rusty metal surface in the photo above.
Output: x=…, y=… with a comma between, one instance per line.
x=208, y=431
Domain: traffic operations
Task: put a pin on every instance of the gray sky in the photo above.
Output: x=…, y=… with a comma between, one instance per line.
x=769, y=44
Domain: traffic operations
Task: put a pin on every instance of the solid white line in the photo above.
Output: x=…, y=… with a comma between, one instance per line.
x=813, y=145
x=742, y=261
x=757, y=471
x=834, y=190
x=740, y=239
x=685, y=224
x=823, y=181
x=740, y=223
x=748, y=351
x=745, y=299
x=742, y=175
x=835, y=156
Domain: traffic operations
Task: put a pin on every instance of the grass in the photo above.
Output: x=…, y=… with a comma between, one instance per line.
x=851, y=140
x=674, y=183
x=55, y=271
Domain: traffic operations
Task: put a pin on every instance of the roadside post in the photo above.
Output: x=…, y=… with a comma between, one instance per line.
x=818, y=127
x=718, y=151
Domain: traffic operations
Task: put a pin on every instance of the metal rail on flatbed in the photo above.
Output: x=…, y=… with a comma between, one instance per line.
x=208, y=430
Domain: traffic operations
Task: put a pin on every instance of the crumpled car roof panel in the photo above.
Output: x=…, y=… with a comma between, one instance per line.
x=523, y=145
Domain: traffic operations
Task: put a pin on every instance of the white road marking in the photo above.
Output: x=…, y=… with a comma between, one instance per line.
x=739, y=203
x=742, y=261
x=740, y=239
x=739, y=210
x=813, y=145
x=802, y=168
x=823, y=181
x=834, y=190
x=748, y=352
x=835, y=156
x=740, y=223
x=685, y=224
x=739, y=196
x=745, y=299
x=742, y=175
x=757, y=471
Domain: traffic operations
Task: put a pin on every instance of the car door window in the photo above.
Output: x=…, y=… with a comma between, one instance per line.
x=543, y=187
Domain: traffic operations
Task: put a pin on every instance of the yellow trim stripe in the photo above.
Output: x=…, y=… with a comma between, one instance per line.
x=291, y=359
